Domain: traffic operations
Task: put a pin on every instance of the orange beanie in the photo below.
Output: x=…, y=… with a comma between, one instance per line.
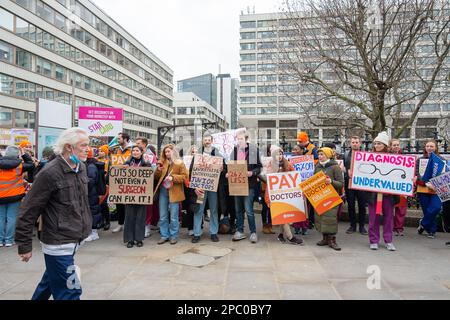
x=104, y=149
x=24, y=143
x=90, y=153
x=302, y=137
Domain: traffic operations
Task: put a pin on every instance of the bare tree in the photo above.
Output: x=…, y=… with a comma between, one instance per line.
x=366, y=64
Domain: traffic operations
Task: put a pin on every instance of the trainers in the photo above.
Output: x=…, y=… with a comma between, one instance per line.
x=431, y=235
x=238, y=236
x=363, y=231
x=214, y=238
x=374, y=246
x=281, y=238
x=420, y=229
x=191, y=233
x=8, y=245
x=93, y=236
x=253, y=238
x=195, y=239
x=350, y=230
x=147, y=232
x=117, y=229
x=173, y=241
x=390, y=246
x=296, y=241
x=162, y=241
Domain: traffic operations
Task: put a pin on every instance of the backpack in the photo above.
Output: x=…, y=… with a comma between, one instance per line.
x=101, y=182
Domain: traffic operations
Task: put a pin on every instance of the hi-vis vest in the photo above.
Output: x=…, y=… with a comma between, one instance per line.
x=309, y=151
x=11, y=182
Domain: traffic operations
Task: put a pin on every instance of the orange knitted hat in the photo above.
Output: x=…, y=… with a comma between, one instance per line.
x=302, y=137
x=24, y=143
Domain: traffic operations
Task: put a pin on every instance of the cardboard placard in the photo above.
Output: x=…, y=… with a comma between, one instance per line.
x=383, y=172
x=237, y=178
x=131, y=185
x=187, y=161
x=287, y=203
x=304, y=165
x=225, y=142
x=442, y=186
x=322, y=196
x=206, y=172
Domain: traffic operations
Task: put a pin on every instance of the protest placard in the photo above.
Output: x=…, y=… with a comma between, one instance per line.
x=441, y=185
x=225, y=142
x=266, y=165
x=304, y=165
x=206, y=172
x=322, y=196
x=287, y=203
x=187, y=161
x=383, y=173
x=130, y=185
x=237, y=178
x=422, y=166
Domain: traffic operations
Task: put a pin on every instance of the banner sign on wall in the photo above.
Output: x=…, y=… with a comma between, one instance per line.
x=383, y=173
x=101, y=122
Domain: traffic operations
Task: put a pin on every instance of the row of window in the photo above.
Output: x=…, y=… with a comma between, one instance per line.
x=49, y=69
x=32, y=33
x=269, y=89
x=52, y=16
x=12, y=118
x=271, y=34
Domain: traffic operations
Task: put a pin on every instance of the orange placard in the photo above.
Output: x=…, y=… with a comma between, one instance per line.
x=322, y=196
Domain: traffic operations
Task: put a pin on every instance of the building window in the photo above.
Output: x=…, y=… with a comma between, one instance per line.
x=6, y=20
x=248, y=24
x=248, y=35
x=27, y=4
x=5, y=116
x=248, y=67
x=248, y=57
x=60, y=73
x=21, y=28
x=6, y=84
x=20, y=119
x=60, y=21
x=248, y=46
x=23, y=58
x=6, y=52
x=45, y=12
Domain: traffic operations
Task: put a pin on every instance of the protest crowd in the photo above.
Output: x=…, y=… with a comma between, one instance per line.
x=75, y=190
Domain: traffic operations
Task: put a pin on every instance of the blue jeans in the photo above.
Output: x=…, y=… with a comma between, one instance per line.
x=59, y=280
x=211, y=197
x=168, y=211
x=431, y=206
x=8, y=215
x=245, y=203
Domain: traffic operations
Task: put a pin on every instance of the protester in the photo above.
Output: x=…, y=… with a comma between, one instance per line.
x=354, y=195
x=380, y=144
x=189, y=203
x=103, y=152
x=135, y=214
x=308, y=149
x=300, y=227
x=170, y=173
x=280, y=164
x=47, y=155
x=265, y=211
x=208, y=196
x=430, y=202
x=249, y=153
x=118, y=156
x=152, y=214
x=60, y=184
x=93, y=195
x=327, y=223
x=13, y=166
x=402, y=206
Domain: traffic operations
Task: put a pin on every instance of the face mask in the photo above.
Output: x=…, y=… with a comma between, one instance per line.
x=74, y=158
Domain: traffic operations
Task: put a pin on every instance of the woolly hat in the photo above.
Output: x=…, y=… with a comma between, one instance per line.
x=104, y=149
x=24, y=144
x=302, y=137
x=90, y=154
x=383, y=138
x=328, y=152
x=12, y=152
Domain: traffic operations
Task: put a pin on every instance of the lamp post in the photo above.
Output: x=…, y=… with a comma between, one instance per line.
x=366, y=141
x=283, y=142
x=337, y=142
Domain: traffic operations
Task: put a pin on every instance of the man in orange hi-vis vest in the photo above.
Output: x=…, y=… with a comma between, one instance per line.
x=12, y=167
x=118, y=155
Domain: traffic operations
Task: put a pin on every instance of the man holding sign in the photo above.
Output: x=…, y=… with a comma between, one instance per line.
x=205, y=173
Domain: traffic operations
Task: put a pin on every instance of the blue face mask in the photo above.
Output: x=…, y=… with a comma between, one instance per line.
x=74, y=158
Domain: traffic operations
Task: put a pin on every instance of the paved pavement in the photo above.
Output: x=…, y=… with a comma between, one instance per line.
x=419, y=269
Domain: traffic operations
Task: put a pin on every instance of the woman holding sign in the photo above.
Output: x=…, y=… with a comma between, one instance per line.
x=171, y=173
x=135, y=214
x=327, y=223
x=280, y=164
x=429, y=201
x=381, y=145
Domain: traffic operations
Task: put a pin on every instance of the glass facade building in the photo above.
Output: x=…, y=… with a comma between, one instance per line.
x=203, y=86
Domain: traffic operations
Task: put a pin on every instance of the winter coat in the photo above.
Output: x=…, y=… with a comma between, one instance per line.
x=327, y=223
x=93, y=176
x=254, y=165
x=179, y=174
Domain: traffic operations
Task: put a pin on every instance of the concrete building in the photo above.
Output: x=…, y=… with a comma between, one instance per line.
x=70, y=51
x=264, y=104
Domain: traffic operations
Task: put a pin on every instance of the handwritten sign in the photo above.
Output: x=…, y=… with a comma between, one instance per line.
x=101, y=122
x=442, y=186
x=225, y=142
x=422, y=166
x=128, y=185
x=187, y=161
x=237, y=178
x=304, y=165
x=383, y=173
x=206, y=172
x=266, y=165
x=322, y=196
x=287, y=203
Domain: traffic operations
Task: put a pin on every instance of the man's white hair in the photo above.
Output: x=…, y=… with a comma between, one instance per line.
x=70, y=136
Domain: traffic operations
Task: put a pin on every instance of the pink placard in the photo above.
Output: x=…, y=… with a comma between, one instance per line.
x=94, y=113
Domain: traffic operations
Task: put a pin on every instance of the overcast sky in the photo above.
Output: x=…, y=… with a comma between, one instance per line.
x=191, y=36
